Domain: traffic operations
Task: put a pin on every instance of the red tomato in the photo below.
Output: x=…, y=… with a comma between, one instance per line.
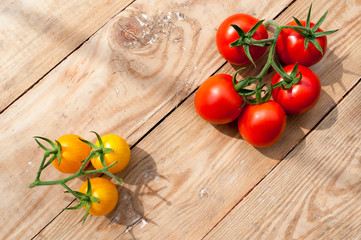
x=226, y=34
x=262, y=125
x=216, y=100
x=73, y=152
x=302, y=96
x=290, y=47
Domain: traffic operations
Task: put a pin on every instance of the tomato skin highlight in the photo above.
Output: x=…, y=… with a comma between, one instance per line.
x=121, y=153
x=226, y=34
x=216, y=100
x=105, y=191
x=290, y=47
x=302, y=96
x=73, y=151
x=262, y=125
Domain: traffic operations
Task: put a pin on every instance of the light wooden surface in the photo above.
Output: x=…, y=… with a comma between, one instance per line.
x=187, y=179
x=37, y=35
x=314, y=193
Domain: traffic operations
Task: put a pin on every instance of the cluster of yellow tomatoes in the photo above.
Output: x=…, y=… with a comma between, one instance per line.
x=74, y=150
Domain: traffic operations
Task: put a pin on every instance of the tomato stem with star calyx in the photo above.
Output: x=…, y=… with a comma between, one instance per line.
x=245, y=39
x=85, y=200
x=289, y=80
x=239, y=87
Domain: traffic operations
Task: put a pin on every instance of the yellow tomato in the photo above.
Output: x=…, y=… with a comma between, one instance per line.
x=120, y=154
x=105, y=191
x=73, y=151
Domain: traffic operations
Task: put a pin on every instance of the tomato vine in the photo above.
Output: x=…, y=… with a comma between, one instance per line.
x=260, y=95
x=54, y=154
x=242, y=39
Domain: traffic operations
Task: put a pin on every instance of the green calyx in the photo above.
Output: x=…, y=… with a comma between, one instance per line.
x=288, y=80
x=247, y=94
x=55, y=151
x=259, y=94
x=246, y=40
x=309, y=33
x=98, y=150
x=85, y=200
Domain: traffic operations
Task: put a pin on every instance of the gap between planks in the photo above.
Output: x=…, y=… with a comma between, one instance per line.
x=162, y=120
x=288, y=153
x=292, y=148
x=63, y=59
x=161, y=114
x=152, y=128
x=134, y=145
x=193, y=92
x=313, y=184
x=170, y=112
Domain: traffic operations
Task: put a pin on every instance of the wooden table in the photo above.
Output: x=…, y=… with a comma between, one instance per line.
x=131, y=68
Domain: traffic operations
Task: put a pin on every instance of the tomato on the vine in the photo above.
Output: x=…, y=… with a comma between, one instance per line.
x=290, y=46
x=105, y=191
x=120, y=154
x=73, y=152
x=216, y=100
x=226, y=35
x=262, y=125
x=302, y=96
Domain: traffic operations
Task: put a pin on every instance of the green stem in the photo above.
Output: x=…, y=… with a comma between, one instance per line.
x=270, y=54
x=55, y=182
x=270, y=62
x=119, y=180
x=288, y=79
x=91, y=155
x=69, y=190
x=38, y=182
x=271, y=22
x=46, y=155
x=276, y=68
x=79, y=173
x=263, y=40
x=248, y=81
x=306, y=29
x=258, y=92
x=49, y=162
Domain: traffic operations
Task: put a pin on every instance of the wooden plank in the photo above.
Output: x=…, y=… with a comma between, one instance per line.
x=123, y=80
x=37, y=35
x=187, y=174
x=314, y=193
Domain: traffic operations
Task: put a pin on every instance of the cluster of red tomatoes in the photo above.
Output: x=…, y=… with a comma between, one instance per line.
x=295, y=89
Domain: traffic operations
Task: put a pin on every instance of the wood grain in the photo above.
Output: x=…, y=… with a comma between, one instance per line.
x=314, y=193
x=144, y=75
x=126, y=78
x=37, y=35
x=187, y=174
